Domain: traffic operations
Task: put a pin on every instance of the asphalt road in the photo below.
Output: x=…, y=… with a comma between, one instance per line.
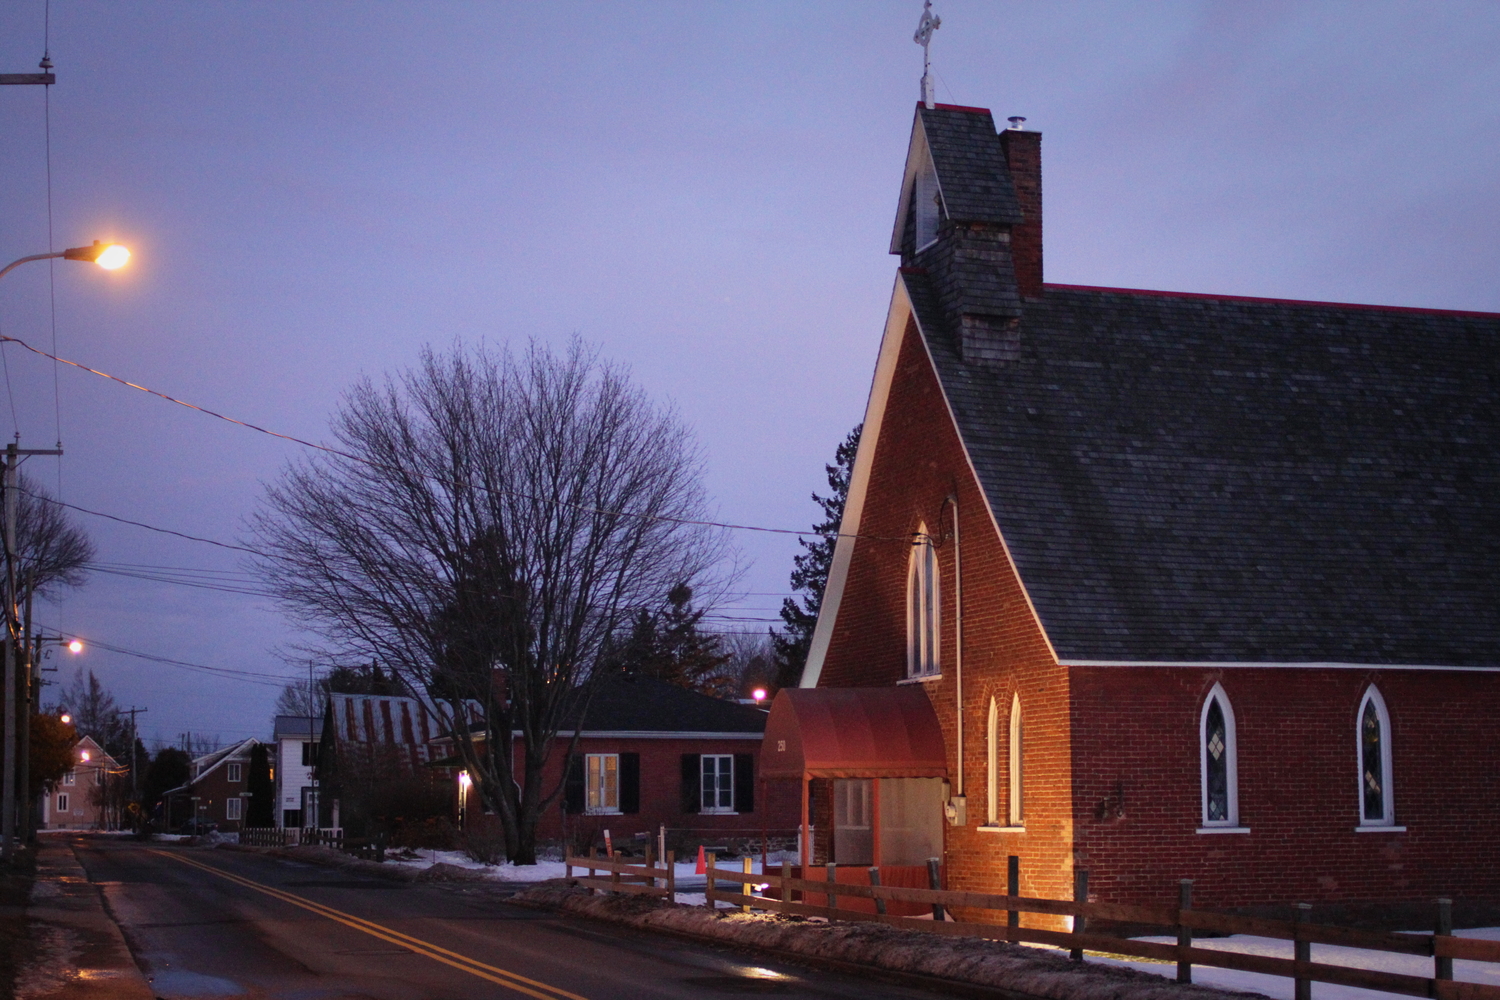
x=216, y=923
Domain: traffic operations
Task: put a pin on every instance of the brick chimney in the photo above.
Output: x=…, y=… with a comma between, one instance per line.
x=1023, y=153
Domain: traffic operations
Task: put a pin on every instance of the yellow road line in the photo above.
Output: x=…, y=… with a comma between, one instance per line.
x=501, y=977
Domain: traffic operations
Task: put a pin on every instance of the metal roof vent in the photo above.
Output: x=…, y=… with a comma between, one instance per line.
x=1017, y=122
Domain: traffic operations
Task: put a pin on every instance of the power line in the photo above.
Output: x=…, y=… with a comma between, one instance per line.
x=347, y=456
x=139, y=524
x=229, y=673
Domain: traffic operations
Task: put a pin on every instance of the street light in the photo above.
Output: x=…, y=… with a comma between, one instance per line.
x=109, y=256
x=76, y=646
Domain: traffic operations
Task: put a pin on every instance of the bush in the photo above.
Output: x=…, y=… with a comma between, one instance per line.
x=484, y=843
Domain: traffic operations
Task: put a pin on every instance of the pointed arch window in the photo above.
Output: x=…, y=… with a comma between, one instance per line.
x=1017, y=760
x=992, y=771
x=1377, y=807
x=926, y=202
x=923, y=608
x=1219, y=761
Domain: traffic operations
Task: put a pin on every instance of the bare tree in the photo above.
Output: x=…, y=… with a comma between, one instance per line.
x=492, y=521
x=51, y=553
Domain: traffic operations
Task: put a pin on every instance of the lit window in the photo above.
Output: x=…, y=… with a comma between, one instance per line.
x=1376, y=805
x=234, y=772
x=1217, y=750
x=992, y=770
x=603, y=773
x=1017, y=784
x=70, y=778
x=923, y=608
x=718, y=783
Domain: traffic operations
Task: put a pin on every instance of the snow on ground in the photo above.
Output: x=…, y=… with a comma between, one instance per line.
x=1280, y=988
x=685, y=872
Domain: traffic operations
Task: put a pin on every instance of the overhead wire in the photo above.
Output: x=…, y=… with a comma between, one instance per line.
x=348, y=456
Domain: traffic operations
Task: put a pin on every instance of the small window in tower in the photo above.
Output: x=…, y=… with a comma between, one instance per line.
x=926, y=203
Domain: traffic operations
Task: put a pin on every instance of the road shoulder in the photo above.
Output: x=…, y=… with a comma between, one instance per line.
x=75, y=950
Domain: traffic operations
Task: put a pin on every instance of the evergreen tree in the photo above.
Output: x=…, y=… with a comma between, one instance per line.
x=261, y=788
x=666, y=643
x=810, y=569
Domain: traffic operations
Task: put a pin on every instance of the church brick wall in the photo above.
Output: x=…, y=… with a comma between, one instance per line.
x=1138, y=798
x=919, y=462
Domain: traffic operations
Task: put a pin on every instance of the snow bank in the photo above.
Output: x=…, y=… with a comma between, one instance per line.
x=971, y=960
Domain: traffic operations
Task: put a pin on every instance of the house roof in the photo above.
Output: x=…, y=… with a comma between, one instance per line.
x=206, y=764
x=1198, y=478
x=648, y=705
x=297, y=725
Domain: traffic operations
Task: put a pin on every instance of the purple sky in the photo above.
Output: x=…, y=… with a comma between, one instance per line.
x=314, y=190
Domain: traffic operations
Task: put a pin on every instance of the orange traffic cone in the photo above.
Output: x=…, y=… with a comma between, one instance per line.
x=702, y=868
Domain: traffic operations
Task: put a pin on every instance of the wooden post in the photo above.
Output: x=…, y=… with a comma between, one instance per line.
x=1080, y=895
x=786, y=876
x=1184, y=934
x=875, y=854
x=748, y=888
x=708, y=885
x=592, y=849
x=650, y=869
x=833, y=879
x=805, y=837
x=875, y=880
x=933, y=882
x=1012, y=889
x=614, y=873
x=1442, y=968
x=1301, y=952
x=671, y=859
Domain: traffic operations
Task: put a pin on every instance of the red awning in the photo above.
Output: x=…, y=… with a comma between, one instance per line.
x=889, y=732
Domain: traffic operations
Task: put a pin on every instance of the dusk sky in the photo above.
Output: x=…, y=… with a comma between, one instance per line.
x=705, y=191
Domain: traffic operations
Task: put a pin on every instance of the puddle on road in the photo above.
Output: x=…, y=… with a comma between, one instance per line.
x=179, y=984
x=740, y=984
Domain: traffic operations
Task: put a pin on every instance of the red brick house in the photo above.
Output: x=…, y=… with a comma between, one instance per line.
x=653, y=754
x=219, y=791
x=1195, y=586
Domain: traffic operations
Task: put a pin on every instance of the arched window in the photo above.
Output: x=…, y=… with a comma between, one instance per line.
x=1017, y=776
x=992, y=772
x=926, y=203
x=923, y=608
x=1216, y=739
x=1376, y=805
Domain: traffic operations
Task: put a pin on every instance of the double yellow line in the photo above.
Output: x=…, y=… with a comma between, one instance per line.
x=502, y=977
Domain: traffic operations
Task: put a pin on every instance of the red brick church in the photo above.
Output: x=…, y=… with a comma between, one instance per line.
x=1157, y=584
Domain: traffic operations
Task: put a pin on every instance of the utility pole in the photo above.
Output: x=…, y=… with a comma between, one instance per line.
x=135, y=785
x=27, y=702
x=13, y=455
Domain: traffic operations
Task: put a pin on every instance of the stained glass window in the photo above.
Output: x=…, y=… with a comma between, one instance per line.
x=1216, y=764
x=1372, y=761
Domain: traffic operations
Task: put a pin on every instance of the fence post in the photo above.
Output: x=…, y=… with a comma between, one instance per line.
x=671, y=859
x=708, y=885
x=592, y=850
x=614, y=874
x=933, y=882
x=1301, y=952
x=786, y=877
x=1184, y=933
x=1012, y=889
x=746, y=865
x=1442, y=968
x=1080, y=895
x=833, y=879
x=875, y=880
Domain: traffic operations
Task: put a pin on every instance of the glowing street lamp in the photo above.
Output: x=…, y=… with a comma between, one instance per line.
x=109, y=256
x=65, y=718
x=759, y=694
x=76, y=646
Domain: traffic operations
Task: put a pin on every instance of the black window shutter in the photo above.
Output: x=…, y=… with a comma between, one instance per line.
x=573, y=787
x=692, y=782
x=630, y=783
x=744, y=782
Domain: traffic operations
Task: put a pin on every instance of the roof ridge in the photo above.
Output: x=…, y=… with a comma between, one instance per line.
x=1279, y=301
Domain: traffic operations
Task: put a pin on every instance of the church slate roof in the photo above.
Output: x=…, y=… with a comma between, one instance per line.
x=969, y=163
x=1194, y=478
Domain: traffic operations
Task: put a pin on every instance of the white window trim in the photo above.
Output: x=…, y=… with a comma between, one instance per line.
x=728, y=810
x=235, y=772
x=1231, y=765
x=924, y=638
x=62, y=803
x=71, y=778
x=926, y=198
x=600, y=810
x=232, y=808
x=1388, y=799
x=1017, y=803
x=992, y=770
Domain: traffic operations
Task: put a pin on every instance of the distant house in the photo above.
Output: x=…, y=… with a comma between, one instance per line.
x=219, y=790
x=296, y=738
x=654, y=754
x=74, y=802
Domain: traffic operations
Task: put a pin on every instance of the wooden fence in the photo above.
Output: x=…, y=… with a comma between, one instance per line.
x=275, y=836
x=820, y=898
